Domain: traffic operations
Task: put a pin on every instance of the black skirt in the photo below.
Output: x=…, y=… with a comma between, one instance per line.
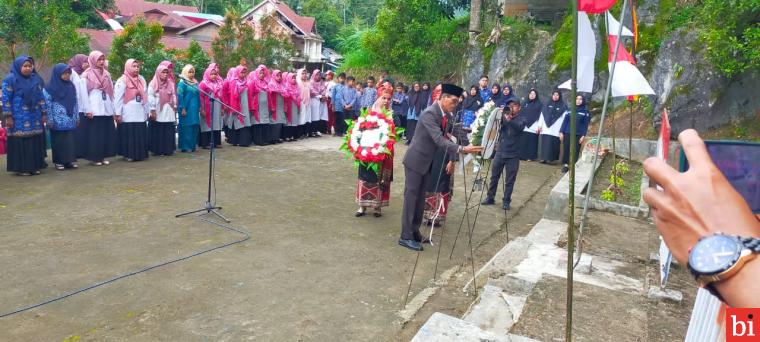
x=102, y=139
x=133, y=140
x=240, y=137
x=566, y=150
x=549, y=148
x=275, y=133
x=204, y=139
x=260, y=134
x=64, y=145
x=528, y=146
x=25, y=153
x=162, y=139
x=80, y=136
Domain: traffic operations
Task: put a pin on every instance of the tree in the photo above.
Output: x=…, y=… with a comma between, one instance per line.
x=194, y=55
x=86, y=11
x=140, y=41
x=416, y=38
x=239, y=40
x=47, y=33
x=326, y=16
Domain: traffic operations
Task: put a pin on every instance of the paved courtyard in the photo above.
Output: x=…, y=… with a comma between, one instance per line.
x=311, y=270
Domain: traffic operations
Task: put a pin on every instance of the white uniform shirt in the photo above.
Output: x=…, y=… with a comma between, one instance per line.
x=83, y=101
x=133, y=111
x=165, y=114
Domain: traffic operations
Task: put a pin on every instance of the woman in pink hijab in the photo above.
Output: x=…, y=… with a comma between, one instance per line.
x=318, y=93
x=237, y=95
x=292, y=104
x=132, y=111
x=163, y=111
x=211, y=122
x=277, y=93
x=258, y=84
x=101, y=133
x=304, y=107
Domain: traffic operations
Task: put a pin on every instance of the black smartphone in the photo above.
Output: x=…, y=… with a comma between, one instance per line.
x=739, y=161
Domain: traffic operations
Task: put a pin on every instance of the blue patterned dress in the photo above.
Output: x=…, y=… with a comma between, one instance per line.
x=26, y=139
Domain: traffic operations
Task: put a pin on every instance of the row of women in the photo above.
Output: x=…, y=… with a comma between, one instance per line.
x=547, y=124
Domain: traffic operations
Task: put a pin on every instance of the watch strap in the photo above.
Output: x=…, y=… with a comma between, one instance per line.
x=750, y=243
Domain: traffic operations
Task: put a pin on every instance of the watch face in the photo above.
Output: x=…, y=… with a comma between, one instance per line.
x=714, y=254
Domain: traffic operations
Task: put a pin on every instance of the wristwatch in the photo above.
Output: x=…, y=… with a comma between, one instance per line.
x=718, y=257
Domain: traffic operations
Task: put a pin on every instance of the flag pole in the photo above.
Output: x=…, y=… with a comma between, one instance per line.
x=571, y=193
x=598, y=139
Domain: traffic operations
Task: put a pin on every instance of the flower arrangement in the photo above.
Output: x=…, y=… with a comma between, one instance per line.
x=479, y=125
x=370, y=138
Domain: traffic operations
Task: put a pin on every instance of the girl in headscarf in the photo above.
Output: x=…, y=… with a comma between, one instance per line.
x=400, y=106
x=189, y=107
x=25, y=112
x=550, y=122
x=258, y=87
x=506, y=95
x=304, y=107
x=238, y=96
x=472, y=103
x=102, y=140
x=373, y=189
x=61, y=97
x=78, y=65
x=277, y=93
x=318, y=92
x=132, y=110
x=211, y=118
x=163, y=111
x=495, y=93
x=531, y=111
x=417, y=103
x=292, y=100
x=582, y=121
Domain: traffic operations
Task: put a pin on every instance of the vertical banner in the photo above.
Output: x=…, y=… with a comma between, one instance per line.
x=663, y=148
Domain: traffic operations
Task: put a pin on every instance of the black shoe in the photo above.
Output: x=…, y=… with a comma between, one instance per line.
x=411, y=244
x=422, y=240
x=565, y=169
x=488, y=201
x=505, y=206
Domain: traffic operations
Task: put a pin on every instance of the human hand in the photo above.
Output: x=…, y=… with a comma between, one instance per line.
x=561, y=137
x=184, y=112
x=152, y=115
x=450, y=168
x=89, y=115
x=117, y=118
x=9, y=122
x=472, y=149
x=696, y=203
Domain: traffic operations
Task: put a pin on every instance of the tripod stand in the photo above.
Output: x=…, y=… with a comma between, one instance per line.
x=210, y=207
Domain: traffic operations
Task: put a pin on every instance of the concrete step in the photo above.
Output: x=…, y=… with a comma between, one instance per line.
x=444, y=328
x=495, y=311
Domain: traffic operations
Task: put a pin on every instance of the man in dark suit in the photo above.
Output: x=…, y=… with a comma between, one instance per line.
x=419, y=159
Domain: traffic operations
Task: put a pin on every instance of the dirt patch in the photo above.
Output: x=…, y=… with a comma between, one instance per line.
x=597, y=315
x=621, y=123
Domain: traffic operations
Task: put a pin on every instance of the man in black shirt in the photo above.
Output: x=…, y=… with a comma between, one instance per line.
x=512, y=126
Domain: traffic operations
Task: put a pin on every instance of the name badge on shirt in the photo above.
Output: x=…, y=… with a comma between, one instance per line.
x=138, y=98
x=103, y=95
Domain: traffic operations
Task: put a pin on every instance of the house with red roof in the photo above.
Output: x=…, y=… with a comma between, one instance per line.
x=302, y=30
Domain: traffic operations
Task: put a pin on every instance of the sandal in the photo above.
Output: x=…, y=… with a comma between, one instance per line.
x=360, y=212
x=59, y=167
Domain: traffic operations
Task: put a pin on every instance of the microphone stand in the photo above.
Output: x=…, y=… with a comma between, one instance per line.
x=209, y=207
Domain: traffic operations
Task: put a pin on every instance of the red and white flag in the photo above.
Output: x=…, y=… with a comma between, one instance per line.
x=111, y=22
x=627, y=80
x=663, y=149
x=595, y=6
x=586, y=55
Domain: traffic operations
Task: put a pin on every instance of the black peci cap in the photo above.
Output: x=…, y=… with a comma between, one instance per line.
x=451, y=90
